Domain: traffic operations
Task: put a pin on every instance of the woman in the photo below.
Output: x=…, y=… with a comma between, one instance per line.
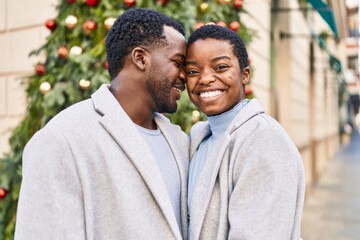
x=246, y=178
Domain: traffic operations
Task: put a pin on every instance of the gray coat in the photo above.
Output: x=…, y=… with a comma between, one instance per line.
x=89, y=174
x=252, y=187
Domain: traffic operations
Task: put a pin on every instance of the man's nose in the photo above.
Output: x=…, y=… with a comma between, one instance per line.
x=182, y=75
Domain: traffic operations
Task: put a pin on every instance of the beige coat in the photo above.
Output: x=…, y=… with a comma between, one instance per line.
x=252, y=186
x=89, y=174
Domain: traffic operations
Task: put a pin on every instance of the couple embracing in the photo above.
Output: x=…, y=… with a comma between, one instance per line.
x=113, y=167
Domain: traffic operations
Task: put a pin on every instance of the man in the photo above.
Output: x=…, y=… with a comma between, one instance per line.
x=112, y=167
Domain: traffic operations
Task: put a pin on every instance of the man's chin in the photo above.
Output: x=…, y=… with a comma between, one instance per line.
x=169, y=109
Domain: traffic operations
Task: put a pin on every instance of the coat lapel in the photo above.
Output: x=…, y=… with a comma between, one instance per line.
x=205, y=185
x=180, y=150
x=117, y=123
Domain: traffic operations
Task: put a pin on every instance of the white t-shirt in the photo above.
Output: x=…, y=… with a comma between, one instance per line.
x=167, y=165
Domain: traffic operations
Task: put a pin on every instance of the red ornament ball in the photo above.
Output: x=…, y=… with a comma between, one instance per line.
x=248, y=90
x=63, y=52
x=92, y=3
x=89, y=25
x=221, y=23
x=129, y=3
x=40, y=69
x=162, y=2
x=198, y=25
x=106, y=65
x=3, y=192
x=50, y=24
x=238, y=4
x=234, y=25
x=71, y=1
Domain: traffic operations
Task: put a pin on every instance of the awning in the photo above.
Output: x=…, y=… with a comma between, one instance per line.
x=326, y=13
x=334, y=62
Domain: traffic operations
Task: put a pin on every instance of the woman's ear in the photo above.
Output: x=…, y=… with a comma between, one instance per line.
x=140, y=57
x=245, y=75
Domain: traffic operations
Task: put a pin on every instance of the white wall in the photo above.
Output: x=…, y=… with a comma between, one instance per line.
x=21, y=31
x=258, y=19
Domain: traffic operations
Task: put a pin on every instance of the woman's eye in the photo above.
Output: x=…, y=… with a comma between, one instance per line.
x=191, y=72
x=221, y=67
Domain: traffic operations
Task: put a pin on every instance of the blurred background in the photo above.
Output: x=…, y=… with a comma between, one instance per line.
x=304, y=56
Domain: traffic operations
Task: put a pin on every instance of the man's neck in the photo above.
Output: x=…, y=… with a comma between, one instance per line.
x=136, y=107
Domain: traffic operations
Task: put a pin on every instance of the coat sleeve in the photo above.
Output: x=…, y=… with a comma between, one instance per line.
x=268, y=190
x=50, y=201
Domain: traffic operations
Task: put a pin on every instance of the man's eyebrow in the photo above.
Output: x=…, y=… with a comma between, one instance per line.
x=180, y=55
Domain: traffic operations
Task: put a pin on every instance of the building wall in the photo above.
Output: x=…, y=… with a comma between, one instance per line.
x=21, y=31
x=305, y=101
x=325, y=137
x=258, y=20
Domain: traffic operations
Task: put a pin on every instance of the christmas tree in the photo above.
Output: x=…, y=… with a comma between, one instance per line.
x=75, y=66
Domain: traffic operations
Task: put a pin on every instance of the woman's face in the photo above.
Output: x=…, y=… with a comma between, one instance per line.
x=214, y=79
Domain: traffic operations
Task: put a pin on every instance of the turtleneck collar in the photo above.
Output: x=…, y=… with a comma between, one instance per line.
x=219, y=123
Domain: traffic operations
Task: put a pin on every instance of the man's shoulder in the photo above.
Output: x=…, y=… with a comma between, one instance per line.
x=73, y=115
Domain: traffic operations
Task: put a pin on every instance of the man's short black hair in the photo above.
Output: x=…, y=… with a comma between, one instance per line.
x=223, y=34
x=135, y=27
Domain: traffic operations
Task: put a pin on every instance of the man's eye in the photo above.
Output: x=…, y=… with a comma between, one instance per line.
x=178, y=64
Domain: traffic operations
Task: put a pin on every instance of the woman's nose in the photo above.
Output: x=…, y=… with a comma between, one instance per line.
x=207, y=77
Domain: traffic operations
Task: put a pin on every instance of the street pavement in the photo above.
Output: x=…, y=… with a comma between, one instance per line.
x=332, y=209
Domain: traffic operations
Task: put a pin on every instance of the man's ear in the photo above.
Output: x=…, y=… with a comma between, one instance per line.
x=140, y=57
x=245, y=75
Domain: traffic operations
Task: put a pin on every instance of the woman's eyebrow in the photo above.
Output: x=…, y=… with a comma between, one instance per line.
x=191, y=62
x=212, y=60
x=220, y=58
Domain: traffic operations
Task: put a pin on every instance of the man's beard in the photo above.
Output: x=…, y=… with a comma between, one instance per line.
x=159, y=91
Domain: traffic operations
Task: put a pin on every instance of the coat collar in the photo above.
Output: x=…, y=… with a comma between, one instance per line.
x=118, y=124
x=202, y=129
x=205, y=185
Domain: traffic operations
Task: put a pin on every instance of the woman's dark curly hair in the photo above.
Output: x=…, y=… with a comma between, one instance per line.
x=223, y=34
x=135, y=27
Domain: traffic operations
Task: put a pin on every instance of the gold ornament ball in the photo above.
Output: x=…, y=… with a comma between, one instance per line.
x=75, y=50
x=71, y=21
x=195, y=116
x=224, y=1
x=84, y=84
x=45, y=87
x=109, y=22
x=204, y=7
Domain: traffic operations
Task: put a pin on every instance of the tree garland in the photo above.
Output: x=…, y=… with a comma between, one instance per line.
x=75, y=66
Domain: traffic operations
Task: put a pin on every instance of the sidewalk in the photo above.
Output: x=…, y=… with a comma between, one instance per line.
x=332, y=211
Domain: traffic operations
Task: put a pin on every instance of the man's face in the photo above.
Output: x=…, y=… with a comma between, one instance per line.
x=213, y=76
x=166, y=76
